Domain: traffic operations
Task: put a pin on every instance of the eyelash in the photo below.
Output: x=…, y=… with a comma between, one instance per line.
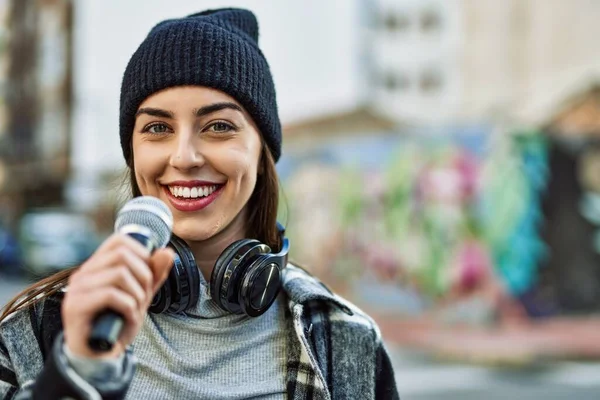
x=229, y=127
x=152, y=125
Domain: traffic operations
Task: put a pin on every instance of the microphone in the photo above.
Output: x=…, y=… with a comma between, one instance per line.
x=149, y=221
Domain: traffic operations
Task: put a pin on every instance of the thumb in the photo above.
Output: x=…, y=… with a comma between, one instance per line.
x=161, y=263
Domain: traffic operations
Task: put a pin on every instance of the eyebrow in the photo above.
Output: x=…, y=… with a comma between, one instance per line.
x=155, y=112
x=211, y=108
x=200, y=112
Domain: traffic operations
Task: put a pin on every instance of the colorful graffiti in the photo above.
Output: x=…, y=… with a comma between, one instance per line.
x=511, y=209
x=441, y=217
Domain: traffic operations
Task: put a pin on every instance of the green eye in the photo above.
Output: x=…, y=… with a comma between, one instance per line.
x=220, y=127
x=157, y=128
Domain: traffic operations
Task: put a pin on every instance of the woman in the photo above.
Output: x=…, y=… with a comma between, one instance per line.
x=199, y=130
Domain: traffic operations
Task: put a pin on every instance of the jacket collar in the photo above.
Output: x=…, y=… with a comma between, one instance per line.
x=302, y=287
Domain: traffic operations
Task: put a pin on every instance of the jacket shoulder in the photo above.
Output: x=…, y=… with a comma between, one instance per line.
x=35, y=326
x=305, y=288
x=354, y=318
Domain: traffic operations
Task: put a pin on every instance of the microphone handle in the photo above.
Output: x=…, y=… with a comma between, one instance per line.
x=108, y=325
x=106, y=330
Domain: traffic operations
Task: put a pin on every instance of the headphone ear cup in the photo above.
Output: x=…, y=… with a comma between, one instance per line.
x=186, y=282
x=218, y=288
x=228, y=270
x=163, y=298
x=181, y=290
x=260, y=286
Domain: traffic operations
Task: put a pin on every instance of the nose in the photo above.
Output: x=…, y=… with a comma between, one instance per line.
x=185, y=154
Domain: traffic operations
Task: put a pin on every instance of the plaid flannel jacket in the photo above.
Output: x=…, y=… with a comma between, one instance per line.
x=335, y=351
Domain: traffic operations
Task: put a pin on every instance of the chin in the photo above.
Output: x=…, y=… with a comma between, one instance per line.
x=191, y=231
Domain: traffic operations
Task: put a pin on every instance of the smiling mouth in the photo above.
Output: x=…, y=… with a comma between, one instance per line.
x=196, y=192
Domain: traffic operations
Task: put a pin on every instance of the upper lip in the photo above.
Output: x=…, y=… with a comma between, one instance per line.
x=190, y=184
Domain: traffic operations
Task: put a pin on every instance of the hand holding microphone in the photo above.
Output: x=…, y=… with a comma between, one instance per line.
x=108, y=296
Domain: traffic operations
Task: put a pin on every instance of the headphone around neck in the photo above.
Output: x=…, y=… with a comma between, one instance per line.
x=246, y=278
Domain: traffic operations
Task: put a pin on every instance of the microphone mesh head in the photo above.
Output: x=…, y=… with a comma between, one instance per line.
x=148, y=212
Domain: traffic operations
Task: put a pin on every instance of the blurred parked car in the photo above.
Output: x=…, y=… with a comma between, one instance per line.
x=56, y=239
x=11, y=262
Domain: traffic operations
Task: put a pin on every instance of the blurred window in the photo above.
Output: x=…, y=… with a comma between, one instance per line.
x=430, y=21
x=431, y=82
x=396, y=81
x=396, y=22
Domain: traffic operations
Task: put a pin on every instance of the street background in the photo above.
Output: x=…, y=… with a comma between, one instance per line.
x=440, y=168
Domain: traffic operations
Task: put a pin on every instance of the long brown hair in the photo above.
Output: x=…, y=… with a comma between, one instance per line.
x=262, y=225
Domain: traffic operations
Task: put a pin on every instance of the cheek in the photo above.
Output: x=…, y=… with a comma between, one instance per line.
x=244, y=167
x=239, y=165
x=147, y=167
x=141, y=176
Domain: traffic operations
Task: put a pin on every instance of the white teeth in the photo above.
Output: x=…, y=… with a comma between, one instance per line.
x=192, y=193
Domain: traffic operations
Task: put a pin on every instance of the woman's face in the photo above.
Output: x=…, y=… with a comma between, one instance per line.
x=196, y=149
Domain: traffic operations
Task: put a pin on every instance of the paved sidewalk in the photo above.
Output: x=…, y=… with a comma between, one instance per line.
x=420, y=378
x=516, y=344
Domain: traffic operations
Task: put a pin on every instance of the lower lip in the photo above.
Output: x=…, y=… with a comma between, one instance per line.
x=196, y=204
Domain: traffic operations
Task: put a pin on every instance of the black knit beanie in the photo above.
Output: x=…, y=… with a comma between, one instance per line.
x=214, y=48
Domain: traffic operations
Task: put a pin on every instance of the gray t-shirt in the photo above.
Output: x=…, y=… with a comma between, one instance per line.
x=207, y=353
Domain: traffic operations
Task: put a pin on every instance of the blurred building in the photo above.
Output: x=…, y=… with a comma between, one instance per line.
x=571, y=274
x=442, y=66
x=35, y=104
x=448, y=61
